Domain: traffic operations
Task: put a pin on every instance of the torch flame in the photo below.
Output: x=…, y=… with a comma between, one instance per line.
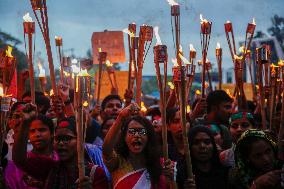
x=218, y=46
x=253, y=21
x=281, y=63
x=202, y=20
x=108, y=63
x=51, y=92
x=180, y=48
x=58, y=38
x=187, y=108
x=41, y=70
x=174, y=61
x=132, y=67
x=172, y=2
x=171, y=85
x=85, y=104
x=191, y=48
x=27, y=18
x=83, y=73
x=228, y=22
x=143, y=108
x=156, y=30
x=197, y=92
x=9, y=52
x=1, y=90
x=185, y=61
x=126, y=30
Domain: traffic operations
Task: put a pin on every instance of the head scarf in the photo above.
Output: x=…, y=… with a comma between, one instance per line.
x=241, y=115
x=244, y=171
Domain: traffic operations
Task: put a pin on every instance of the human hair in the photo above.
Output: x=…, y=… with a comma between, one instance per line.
x=68, y=123
x=106, y=120
x=108, y=98
x=170, y=114
x=15, y=106
x=150, y=151
x=44, y=102
x=46, y=121
x=215, y=98
x=215, y=161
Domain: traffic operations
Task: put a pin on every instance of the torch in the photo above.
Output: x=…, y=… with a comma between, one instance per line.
x=42, y=77
x=112, y=77
x=230, y=36
x=132, y=45
x=29, y=30
x=205, y=33
x=219, y=54
x=175, y=13
x=161, y=58
x=40, y=11
x=101, y=59
x=145, y=40
x=190, y=70
x=58, y=44
x=262, y=58
x=274, y=71
x=81, y=90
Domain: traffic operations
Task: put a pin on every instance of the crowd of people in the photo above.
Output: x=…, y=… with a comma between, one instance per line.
x=123, y=146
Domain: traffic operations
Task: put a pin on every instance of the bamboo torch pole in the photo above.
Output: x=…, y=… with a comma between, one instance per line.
x=219, y=53
x=102, y=58
x=40, y=11
x=205, y=33
x=145, y=35
x=29, y=30
x=175, y=13
x=58, y=44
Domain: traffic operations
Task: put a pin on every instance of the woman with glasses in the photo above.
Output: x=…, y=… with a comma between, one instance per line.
x=130, y=152
x=239, y=123
x=56, y=174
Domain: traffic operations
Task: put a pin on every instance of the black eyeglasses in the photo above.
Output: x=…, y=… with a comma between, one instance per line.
x=63, y=138
x=140, y=131
x=243, y=125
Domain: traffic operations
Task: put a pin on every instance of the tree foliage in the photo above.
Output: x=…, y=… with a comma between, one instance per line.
x=277, y=29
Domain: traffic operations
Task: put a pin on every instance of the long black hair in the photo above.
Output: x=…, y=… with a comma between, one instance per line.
x=215, y=160
x=150, y=151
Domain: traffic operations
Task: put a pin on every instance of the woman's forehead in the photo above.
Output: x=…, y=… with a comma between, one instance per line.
x=135, y=124
x=63, y=131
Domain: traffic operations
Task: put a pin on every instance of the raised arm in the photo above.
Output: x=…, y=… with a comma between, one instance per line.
x=20, y=145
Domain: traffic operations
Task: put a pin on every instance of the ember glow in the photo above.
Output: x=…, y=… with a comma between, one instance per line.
x=156, y=31
x=84, y=73
x=171, y=85
x=172, y=2
x=27, y=18
x=126, y=30
x=1, y=90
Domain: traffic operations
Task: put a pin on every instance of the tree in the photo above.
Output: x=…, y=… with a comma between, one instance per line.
x=277, y=29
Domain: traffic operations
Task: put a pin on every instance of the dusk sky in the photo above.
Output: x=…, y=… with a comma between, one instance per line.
x=75, y=21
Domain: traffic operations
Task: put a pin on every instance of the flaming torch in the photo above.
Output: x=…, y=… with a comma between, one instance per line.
x=102, y=58
x=219, y=62
x=145, y=40
x=112, y=77
x=205, y=33
x=175, y=13
x=40, y=11
x=262, y=56
x=29, y=30
x=232, y=45
x=190, y=70
x=58, y=44
x=274, y=72
x=81, y=89
x=132, y=45
x=161, y=58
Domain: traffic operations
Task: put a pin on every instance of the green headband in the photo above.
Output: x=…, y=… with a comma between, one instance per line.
x=240, y=115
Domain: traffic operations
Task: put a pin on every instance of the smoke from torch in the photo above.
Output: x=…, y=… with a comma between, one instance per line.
x=156, y=31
